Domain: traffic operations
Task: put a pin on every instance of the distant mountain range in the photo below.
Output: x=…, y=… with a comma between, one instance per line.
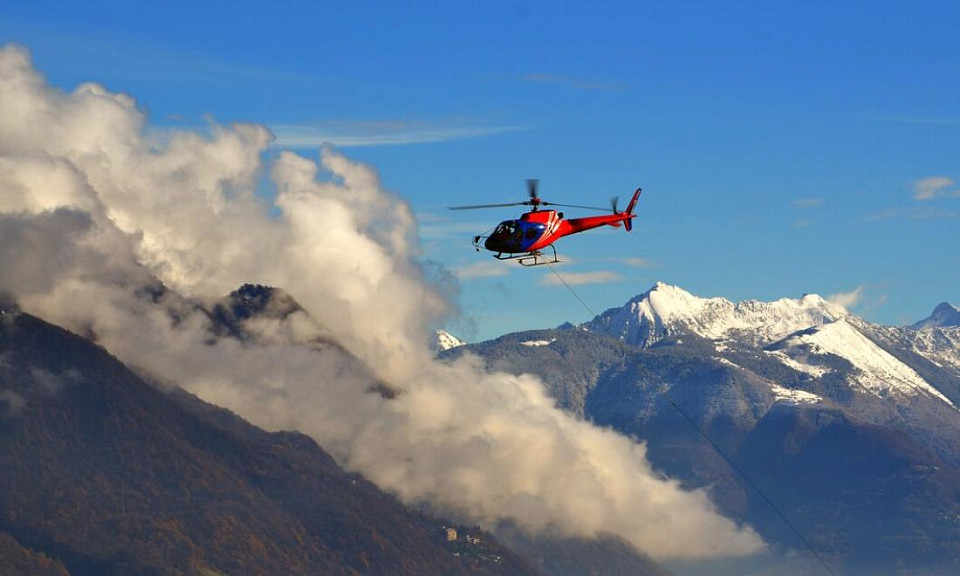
x=850, y=428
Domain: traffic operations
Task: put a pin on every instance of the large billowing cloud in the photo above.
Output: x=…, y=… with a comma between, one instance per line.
x=93, y=212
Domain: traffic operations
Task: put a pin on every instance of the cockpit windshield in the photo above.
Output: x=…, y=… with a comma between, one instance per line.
x=515, y=236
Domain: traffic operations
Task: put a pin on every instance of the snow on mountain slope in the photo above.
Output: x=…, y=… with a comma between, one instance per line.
x=665, y=309
x=936, y=338
x=446, y=341
x=780, y=394
x=793, y=396
x=877, y=371
x=798, y=365
x=539, y=342
x=939, y=345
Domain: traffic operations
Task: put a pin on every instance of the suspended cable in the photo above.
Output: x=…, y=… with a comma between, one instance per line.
x=743, y=474
x=710, y=441
x=570, y=288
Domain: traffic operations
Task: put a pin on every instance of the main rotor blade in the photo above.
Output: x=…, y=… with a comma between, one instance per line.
x=488, y=206
x=575, y=206
x=532, y=184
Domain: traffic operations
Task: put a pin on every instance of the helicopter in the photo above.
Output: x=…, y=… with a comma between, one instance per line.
x=525, y=239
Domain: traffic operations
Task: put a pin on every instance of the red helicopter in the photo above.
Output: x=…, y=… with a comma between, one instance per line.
x=524, y=239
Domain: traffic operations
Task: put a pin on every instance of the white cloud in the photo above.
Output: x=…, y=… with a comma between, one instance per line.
x=638, y=262
x=934, y=187
x=808, y=202
x=93, y=211
x=354, y=134
x=484, y=269
x=436, y=227
x=581, y=278
x=847, y=299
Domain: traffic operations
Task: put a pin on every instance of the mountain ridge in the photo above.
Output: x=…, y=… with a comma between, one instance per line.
x=810, y=322
x=104, y=474
x=240, y=316
x=650, y=316
x=863, y=415
x=943, y=316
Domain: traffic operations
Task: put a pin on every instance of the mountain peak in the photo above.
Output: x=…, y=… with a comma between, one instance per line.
x=814, y=300
x=248, y=302
x=253, y=299
x=943, y=316
x=666, y=309
x=666, y=300
x=445, y=341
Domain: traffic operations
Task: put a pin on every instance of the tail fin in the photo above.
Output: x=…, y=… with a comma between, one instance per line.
x=628, y=223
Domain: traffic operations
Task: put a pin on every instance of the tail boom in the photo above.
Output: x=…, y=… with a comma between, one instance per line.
x=576, y=225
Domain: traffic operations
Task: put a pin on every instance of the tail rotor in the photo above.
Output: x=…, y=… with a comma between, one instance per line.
x=628, y=223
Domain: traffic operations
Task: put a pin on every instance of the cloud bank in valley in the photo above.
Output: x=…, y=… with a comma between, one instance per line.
x=94, y=213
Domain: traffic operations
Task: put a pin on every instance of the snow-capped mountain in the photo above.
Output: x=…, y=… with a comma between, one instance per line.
x=445, y=341
x=943, y=316
x=804, y=334
x=852, y=427
x=665, y=310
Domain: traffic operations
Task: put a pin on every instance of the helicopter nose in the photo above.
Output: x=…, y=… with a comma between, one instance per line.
x=494, y=244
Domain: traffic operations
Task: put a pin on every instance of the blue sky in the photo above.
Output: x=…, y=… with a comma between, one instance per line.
x=783, y=147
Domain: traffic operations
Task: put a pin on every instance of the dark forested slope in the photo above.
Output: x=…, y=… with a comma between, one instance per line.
x=101, y=473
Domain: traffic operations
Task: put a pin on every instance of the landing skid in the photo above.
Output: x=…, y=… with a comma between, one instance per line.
x=537, y=258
